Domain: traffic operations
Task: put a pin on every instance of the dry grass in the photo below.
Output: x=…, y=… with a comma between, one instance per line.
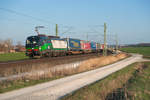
x=118, y=82
x=17, y=68
x=23, y=68
x=114, y=84
x=107, y=87
x=98, y=62
x=86, y=65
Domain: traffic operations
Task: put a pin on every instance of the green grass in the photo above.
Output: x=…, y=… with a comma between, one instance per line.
x=13, y=56
x=137, y=84
x=13, y=85
x=145, y=51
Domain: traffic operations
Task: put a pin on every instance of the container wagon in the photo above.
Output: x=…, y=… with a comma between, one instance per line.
x=102, y=46
x=98, y=47
x=85, y=46
x=73, y=46
x=93, y=47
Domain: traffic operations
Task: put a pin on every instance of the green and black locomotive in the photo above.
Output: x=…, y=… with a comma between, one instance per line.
x=42, y=45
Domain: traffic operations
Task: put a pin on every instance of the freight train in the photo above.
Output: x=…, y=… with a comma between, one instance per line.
x=43, y=45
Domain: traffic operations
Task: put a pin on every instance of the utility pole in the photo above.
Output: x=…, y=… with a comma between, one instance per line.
x=116, y=42
x=56, y=29
x=105, y=49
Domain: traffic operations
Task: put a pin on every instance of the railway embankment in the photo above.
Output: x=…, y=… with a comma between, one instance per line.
x=24, y=79
x=23, y=66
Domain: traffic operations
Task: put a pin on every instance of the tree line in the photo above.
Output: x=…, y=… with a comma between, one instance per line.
x=6, y=46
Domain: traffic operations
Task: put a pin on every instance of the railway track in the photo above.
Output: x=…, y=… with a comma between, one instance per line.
x=46, y=59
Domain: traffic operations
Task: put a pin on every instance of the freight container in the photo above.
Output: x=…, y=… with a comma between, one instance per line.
x=85, y=46
x=73, y=44
x=93, y=45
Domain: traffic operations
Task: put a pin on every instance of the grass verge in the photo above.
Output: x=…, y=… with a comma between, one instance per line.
x=22, y=83
x=145, y=51
x=12, y=56
x=130, y=83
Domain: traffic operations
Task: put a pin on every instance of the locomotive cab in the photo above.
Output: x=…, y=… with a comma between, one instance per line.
x=32, y=46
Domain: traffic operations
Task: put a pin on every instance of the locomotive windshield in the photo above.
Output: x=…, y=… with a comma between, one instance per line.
x=32, y=41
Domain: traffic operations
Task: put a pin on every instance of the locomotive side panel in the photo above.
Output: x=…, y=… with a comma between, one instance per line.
x=59, y=44
x=59, y=47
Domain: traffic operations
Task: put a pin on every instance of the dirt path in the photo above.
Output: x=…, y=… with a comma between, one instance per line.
x=55, y=89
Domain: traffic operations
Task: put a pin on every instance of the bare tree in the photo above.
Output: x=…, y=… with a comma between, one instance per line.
x=1, y=45
x=8, y=45
x=19, y=45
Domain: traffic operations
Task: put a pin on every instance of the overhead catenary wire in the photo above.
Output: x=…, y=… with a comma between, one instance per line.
x=26, y=15
x=33, y=17
x=97, y=34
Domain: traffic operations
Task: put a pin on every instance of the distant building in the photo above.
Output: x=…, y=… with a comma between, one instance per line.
x=2, y=52
x=20, y=48
x=12, y=51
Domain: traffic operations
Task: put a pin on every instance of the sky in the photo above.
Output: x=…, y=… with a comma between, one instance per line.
x=83, y=19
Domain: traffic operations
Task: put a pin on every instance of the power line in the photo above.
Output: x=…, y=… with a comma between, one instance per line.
x=14, y=20
x=25, y=15
x=35, y=18
x=67, y=30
